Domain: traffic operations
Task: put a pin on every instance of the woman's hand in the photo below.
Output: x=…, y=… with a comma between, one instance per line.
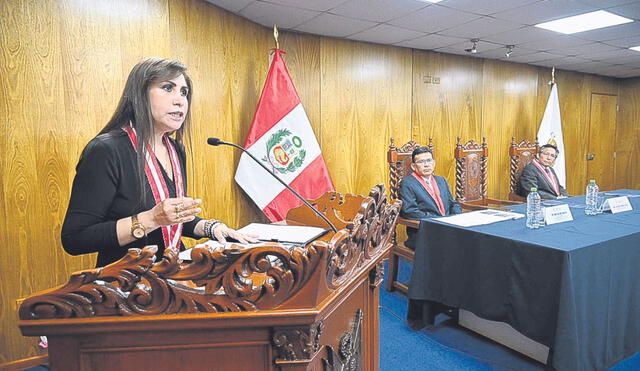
x=221, y=232
x=171, y=211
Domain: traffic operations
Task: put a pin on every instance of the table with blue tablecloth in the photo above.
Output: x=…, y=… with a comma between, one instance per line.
x=572, y=286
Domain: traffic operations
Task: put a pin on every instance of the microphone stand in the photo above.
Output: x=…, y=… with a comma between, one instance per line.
x=217, y=142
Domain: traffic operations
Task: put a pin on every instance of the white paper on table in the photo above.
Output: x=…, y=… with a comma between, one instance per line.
x=630, y=195
x=480, y=217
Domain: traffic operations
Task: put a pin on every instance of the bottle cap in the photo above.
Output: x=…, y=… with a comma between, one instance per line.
x=592, y=181
x=534, y=189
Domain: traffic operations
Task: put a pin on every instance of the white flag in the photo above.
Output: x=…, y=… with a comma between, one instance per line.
x=550, y=132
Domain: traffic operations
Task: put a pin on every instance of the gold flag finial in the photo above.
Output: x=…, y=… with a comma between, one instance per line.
x=275, y=35
x=553, y=75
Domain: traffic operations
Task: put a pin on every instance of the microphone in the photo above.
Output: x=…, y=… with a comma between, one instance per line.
x=216, y=142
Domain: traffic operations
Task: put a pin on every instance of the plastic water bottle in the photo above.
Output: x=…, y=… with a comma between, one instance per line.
x=591, y=198
x=540, y=216
x=534, y=209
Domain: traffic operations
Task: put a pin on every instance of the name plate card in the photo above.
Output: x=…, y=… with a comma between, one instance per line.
x=557, y=214
x=619, y=204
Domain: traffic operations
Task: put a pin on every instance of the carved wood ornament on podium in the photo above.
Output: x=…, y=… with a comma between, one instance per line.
x=283, y=302
x=348, y=357
x=226, y=279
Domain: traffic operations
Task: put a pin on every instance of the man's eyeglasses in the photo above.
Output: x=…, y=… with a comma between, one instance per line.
x=424, y=162
x=550, y=154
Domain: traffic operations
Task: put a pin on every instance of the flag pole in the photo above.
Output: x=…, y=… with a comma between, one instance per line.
x=275, y=35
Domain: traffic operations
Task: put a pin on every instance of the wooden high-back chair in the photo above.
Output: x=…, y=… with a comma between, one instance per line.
x=520, y=155
x=399, y=167
x=471, y=176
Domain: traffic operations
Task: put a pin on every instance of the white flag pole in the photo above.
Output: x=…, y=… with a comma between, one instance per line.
x=550, y=131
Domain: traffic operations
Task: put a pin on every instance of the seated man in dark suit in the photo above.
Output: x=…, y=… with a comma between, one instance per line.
x=423, y=194
x=539, y=173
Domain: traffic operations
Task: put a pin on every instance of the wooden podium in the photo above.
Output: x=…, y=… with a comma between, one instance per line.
x=267, y=307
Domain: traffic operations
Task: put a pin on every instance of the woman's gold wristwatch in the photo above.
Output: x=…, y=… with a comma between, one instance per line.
x=137, y=229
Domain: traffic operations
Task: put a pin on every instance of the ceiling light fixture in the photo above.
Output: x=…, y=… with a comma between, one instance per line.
x=473, y=49
x=509, y=50
x=636, y=48
x=430, y=1
x=584, y=22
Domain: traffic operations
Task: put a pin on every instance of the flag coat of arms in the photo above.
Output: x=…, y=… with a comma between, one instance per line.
x=281, y=138
x=550, y=132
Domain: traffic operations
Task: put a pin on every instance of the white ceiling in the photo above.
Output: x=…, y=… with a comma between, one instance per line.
x=448, y=26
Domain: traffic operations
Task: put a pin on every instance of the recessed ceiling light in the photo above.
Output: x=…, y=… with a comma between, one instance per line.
x=636, y=48
x=584, y=22
x=430, y=1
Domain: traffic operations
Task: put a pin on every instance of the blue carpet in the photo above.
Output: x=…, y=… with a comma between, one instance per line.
x=446, y=346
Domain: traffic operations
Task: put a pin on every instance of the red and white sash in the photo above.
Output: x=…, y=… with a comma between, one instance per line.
x=548, y=175
x=432, y=189
x=170, y=233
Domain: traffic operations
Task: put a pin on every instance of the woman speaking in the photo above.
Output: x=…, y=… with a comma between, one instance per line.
x=130, y=188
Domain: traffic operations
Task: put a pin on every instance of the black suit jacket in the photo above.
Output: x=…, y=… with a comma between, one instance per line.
x=533, y=177
x=417, y=203
x=105, y=189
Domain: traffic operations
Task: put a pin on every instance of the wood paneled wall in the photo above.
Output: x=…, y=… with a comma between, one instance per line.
x=447, y=110
x=627, y=145
x=365, y=99
x=63, y=66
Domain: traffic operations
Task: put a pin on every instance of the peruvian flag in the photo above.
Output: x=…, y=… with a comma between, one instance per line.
x=281, y=137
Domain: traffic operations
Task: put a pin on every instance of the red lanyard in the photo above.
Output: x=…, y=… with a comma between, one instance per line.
x=548, y=175
x=170, y=233
x=433, y=191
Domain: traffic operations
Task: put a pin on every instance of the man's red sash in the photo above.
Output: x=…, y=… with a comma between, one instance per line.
x=434, y=191
x=548, y=175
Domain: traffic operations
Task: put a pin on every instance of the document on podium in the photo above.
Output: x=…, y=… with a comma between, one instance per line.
x=286, y=234
x=295, y=234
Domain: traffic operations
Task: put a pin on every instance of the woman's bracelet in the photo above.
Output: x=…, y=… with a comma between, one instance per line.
x=209, y=226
